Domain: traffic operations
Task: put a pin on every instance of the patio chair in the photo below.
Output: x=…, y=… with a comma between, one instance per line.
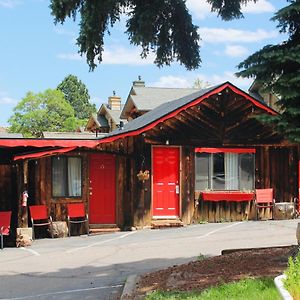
x=40, y=217
x=77, y=214
x=264, y=199
x=4, y=225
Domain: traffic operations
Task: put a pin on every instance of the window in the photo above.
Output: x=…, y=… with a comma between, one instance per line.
x=224, y=171
x=66, y=176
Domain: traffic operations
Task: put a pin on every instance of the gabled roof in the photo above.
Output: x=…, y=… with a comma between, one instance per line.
x=147, y=98
x=114, y=114
x=172, y=108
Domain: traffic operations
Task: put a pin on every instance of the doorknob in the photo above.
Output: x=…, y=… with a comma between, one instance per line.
x=177, y=189
x=91, y=193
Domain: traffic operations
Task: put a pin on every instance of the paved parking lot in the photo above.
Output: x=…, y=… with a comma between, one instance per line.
x=96, y=267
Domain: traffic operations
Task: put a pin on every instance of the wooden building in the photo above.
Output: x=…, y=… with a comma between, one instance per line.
x=196, y=158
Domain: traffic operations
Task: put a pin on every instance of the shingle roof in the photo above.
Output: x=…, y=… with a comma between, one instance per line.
x=7, y=135
x=148, y=98
x=167, y=108
x=71, y=135
x=160, y=111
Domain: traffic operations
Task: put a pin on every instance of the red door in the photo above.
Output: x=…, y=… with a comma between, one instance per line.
x=165, y=182
x=102, y=189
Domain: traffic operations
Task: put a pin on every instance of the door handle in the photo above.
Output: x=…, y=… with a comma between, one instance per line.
x=91, y=193
x=177, y=189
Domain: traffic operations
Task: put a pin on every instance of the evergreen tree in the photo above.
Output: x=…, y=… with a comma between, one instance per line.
x=77, y=95
x=277, y=68
x=162, y=26
x=47, y=111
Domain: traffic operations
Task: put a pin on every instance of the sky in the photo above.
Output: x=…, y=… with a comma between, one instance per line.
x=36, y=54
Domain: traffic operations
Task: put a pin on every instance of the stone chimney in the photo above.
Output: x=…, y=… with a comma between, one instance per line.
x=139, y=82
x=114, y=102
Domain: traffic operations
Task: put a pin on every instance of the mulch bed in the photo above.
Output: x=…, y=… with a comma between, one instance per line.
x=201, y=274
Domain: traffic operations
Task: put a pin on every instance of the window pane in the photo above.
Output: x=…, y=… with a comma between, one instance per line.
x=231, y=171
x=74, y=176
x=202, y=171
x=247, y=171
x=58, y=176
x=218, y=171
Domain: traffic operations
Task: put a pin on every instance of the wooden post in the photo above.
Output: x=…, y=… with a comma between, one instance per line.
x=24, y=196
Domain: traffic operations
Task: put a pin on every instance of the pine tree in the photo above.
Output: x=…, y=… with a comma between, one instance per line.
x=277, y=69
x=77, y=95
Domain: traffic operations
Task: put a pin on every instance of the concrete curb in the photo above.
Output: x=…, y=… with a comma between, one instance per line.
x=285, y=295
x=129, y=287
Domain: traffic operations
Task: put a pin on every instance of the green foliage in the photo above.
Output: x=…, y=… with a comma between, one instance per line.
x=248, y=289
x=277, y=68
x=228, y=10
x=292, y=282
x=152, y=24
x=47, y=111
x=77, y=95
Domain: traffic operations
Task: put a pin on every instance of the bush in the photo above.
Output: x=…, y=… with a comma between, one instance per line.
x=292, y=282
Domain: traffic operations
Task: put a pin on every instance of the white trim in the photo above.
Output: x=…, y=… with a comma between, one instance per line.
x=281, y=289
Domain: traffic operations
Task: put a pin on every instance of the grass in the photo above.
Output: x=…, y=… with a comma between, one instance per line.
x=292, y=282
x=247, y=289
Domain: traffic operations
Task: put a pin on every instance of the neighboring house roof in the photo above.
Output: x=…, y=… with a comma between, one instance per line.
x=172, y=108
x=7, y=135
x=71, y=135
x=148, y=98
x=3, y=129
x=114, y=114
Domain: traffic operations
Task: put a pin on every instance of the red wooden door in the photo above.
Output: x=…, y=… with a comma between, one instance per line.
x=165, y=181
x=102, y=209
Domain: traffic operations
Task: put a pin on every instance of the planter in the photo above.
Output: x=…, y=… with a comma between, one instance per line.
x=285, y=295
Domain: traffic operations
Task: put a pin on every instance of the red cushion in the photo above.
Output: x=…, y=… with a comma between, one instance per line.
x=76, y=210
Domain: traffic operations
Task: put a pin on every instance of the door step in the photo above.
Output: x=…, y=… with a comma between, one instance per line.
x=157, y=224
x=103, y=228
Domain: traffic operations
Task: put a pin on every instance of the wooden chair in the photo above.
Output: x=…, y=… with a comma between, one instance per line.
x=264, y=199
x=77, y=214
x=4, y=224
x=39, y=217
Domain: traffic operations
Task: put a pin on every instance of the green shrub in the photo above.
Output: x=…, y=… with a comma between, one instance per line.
x=292, y=282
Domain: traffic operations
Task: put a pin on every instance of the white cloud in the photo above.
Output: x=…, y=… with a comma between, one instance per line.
x=236, y=51
x=172, y=82
x=261, y=6
x=9, y=3
x=201, y=9
x=187, y=82
x=227, y=76
x=220, y=35
x=8, y=101
x=115, y=56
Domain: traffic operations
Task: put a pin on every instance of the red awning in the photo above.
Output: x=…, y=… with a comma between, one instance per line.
x=43, y=153
x=48, y=143
x=225, y=150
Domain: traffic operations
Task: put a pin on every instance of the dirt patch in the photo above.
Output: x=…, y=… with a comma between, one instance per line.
x=201, y=274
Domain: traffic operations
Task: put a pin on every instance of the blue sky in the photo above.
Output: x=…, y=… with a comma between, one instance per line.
x=36, y=55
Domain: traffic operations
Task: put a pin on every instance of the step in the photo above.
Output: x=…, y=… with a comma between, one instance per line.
x=158, y=224
x=99, y=229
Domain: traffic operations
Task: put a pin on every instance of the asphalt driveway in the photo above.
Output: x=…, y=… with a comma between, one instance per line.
x=96, y=267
